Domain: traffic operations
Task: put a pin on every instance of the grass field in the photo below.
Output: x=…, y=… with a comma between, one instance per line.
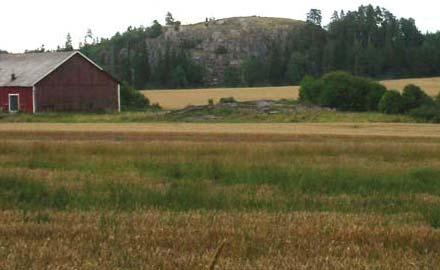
x=165, y=196
x=172, y=99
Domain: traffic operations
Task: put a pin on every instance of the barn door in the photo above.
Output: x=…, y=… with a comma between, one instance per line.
x=14, y=103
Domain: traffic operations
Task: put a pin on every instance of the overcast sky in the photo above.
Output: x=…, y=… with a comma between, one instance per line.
x=27, y=24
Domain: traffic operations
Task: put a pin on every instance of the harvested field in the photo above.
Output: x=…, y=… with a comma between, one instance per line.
x=430, y=85
x=164, y=196
x=166, y=240
x=326, y=129
x=178, y=99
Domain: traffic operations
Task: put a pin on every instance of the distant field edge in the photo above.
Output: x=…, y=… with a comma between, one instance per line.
x=180, y=98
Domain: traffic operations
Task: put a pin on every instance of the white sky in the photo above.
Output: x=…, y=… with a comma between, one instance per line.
x=27, y=24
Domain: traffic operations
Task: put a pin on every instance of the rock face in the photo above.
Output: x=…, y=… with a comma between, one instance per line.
x=223, y=43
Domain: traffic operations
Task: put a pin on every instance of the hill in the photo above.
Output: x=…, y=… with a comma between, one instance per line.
x=226, y=43
x=260, y=51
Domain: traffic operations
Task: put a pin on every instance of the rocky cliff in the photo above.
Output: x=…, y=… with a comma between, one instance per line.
x=218, y=44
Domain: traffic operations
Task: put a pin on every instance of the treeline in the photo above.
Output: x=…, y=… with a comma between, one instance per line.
x=127, y=56
x=369, y=42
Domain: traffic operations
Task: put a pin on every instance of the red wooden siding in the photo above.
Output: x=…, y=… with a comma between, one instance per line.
x=25, y=98
x=77, y=85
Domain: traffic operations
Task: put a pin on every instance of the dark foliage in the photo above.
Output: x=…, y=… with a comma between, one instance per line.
x=254, y=72
x=342, y=91
x=227, y=100
x=427, y=112
x=391, y=103
x=132, y=100
x=232, y=77
x=414, y=97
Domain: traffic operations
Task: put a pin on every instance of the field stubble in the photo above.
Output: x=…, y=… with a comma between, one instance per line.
x=340, y=197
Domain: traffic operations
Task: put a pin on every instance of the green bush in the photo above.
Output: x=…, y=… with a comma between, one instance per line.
x=414, y=97
x=374, y=96
x=427, y=112
x=132, y=99
x=311, y=90
x=391, y=103
x=343, y=91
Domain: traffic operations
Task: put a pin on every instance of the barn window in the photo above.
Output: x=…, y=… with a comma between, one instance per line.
x=14, y=103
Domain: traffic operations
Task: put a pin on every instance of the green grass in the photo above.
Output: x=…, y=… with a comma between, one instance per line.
x=348, y=175
x=210, y=186
x=225, y=115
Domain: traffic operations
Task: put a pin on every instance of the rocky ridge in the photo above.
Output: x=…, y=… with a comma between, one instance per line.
x=218, y=44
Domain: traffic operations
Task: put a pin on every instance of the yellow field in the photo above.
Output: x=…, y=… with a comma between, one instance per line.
x=178, y=99
x=430, y=85
x=172, y=99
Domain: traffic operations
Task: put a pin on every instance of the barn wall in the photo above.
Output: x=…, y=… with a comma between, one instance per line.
x=25, y=97
x=77, y=85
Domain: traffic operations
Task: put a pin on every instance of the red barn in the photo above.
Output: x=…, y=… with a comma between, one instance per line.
x=55, y=81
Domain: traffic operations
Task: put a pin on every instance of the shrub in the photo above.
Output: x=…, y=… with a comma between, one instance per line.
x=227, y=100
x=343, y=91
x=132, y=99
x=311, y=90
x=391, y=102
x=338, y=91
x=414, y=97
x=374, y=96
x=210, y=101
x=427, y=112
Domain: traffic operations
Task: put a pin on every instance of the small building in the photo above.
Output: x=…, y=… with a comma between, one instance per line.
x=56, y=82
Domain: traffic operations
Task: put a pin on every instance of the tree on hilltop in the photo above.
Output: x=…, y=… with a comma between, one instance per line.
x=314, y=17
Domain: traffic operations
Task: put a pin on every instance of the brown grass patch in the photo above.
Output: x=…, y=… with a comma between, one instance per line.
x=163, y=240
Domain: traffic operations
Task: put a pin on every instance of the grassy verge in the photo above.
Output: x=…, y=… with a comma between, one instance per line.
x=207, y=116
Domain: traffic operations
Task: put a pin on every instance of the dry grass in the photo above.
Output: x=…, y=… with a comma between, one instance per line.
x=332, y=129
x=178, y=99
x=165, y=196
x=165, y=240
